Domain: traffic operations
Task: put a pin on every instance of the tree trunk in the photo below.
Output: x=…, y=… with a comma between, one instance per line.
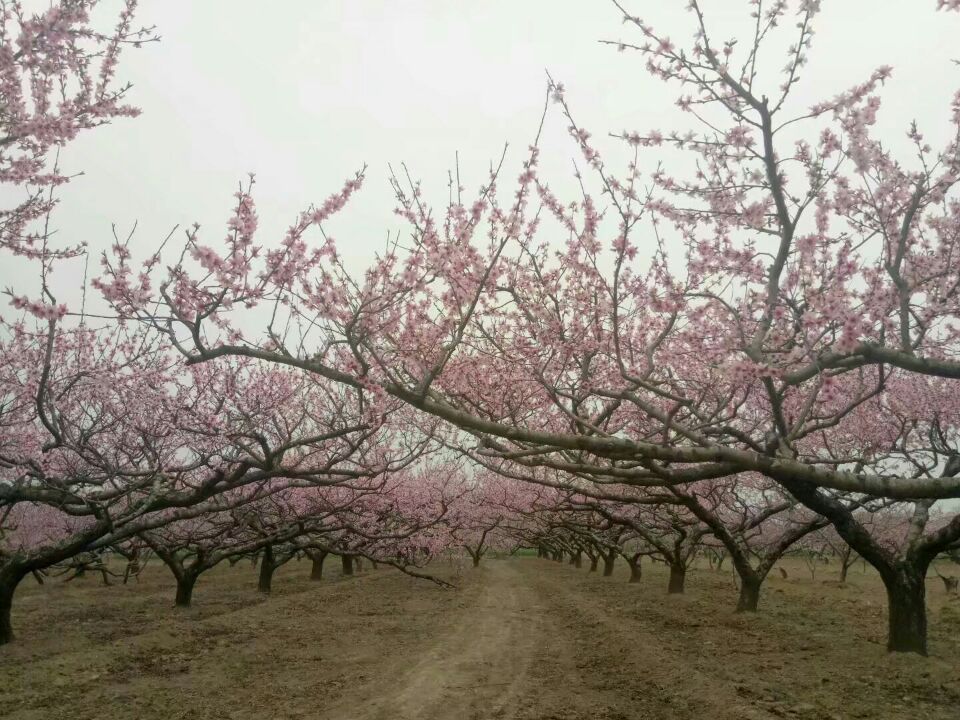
x=749, y=594
x=636, y=571
x=476, y=559
x=185, y=585
x=316, y=569
x=678, y=577
x=593, y=564
x=578, y=560
x=346, y=563
x=608, y=561
x=10, y=577
x=843, y=571
x=907, y=609
x=267, y=567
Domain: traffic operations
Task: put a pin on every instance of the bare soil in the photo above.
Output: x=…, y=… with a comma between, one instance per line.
x=518, y=638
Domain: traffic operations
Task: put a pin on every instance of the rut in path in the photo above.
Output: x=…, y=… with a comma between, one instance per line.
x=476, y=664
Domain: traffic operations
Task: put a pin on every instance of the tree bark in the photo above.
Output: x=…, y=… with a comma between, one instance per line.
x=593, y=564
x=907, y=608
x=578, y=560
x=608, y=561
x=476, y=559
x=185, y=584
x=267, y=566
x=636, y=571
x=749, y=594
x=10, y=577
x=346, y=563
x=316, y=569
x=678, y=577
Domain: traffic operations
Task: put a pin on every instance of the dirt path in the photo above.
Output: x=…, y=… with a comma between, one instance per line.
x=525, y=642
x=475, y=665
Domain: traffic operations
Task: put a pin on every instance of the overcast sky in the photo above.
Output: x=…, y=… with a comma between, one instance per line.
x=307, y=92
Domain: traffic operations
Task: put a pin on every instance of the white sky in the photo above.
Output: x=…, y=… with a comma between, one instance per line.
x=306, y=93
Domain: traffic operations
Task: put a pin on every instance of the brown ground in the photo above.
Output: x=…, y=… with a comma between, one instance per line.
x=519, y=638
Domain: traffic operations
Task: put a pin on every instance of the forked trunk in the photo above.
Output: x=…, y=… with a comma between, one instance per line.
x=476, y=559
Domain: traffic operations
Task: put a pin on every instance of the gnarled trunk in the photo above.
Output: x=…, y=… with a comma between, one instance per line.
x=678, y=578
